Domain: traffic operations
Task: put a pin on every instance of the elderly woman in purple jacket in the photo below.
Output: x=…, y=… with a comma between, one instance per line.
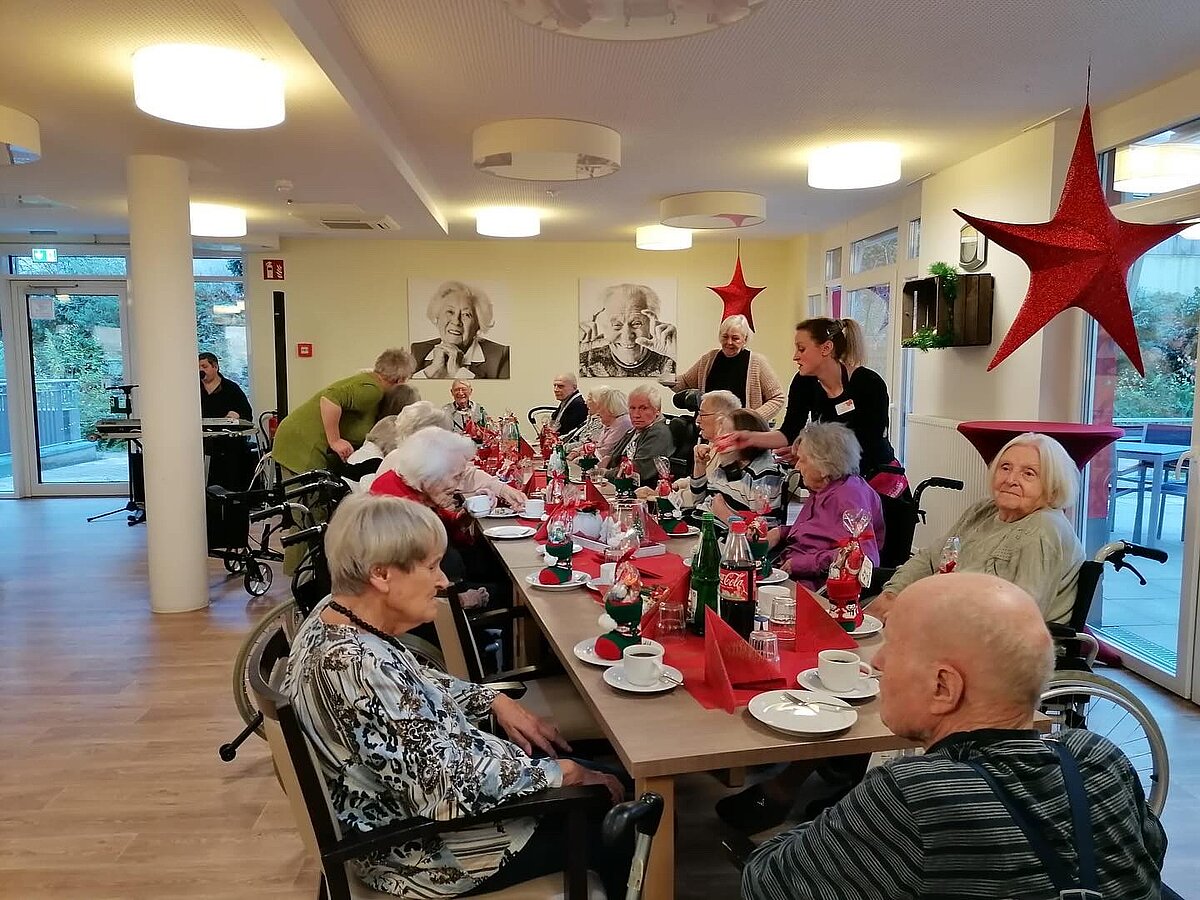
x=827, y=456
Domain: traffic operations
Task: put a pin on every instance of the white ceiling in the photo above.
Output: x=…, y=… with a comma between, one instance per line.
x=383, y=96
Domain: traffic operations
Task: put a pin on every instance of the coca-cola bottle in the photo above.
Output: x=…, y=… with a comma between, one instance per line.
x=735, y=593
x=705, y=574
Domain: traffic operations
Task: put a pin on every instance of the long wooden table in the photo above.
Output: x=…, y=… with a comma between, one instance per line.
x=661, y=736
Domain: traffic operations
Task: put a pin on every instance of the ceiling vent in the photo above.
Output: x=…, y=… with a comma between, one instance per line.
x=342, y=217
x=30, y=201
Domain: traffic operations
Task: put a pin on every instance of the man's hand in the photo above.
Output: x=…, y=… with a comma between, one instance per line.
x=527, y=730
x=342, y=448
x=575, y=774
x=882, y=605
x=232, y=416
x=662, y=336
x=703, y=454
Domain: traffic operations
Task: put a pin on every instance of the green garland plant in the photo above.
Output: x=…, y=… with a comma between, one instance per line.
x=925, y=339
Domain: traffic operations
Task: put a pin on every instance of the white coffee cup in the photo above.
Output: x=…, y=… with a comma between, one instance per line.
x=479, y=504
x=643, y=664
x=841, y=670
x=608, y=573
x=534, y=509
x=767, y=594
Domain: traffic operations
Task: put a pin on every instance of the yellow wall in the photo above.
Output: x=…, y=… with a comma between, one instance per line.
x=349, y=298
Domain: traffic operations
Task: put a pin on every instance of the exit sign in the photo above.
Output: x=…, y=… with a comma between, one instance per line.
x=44, y=255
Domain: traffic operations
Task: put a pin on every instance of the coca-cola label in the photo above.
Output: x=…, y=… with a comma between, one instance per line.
x=736, y=585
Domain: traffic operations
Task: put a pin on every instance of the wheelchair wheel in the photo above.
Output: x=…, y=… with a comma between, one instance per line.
x=286, y=614
x=1100, y=705
x=426, y=654
x=258, y=578
x=234, y=565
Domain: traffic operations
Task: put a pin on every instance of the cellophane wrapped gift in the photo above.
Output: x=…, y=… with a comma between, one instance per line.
x=625, y=481
x=588, y=460
x=850, y=571
x=622, y=612
x=668, y=504
x=560, y=544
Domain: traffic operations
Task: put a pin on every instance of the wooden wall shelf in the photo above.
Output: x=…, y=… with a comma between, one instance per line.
x=965, y=322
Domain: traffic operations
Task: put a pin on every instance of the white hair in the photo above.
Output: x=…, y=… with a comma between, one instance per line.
x=649, y=393
x=569, y=378
x=609, y=399
x=724, y=401
x=480, y=302
x=378, y=530
x=431, y=456
x=1060, y=475
x=739, y=323
x=832, y=449
x=417, y=416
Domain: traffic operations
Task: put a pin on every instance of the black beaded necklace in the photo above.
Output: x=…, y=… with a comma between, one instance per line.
x=367, y=626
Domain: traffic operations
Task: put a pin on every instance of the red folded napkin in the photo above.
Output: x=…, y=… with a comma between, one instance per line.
x=816, y=630
x=729, y=661
x=524, y=451
x=592, y=495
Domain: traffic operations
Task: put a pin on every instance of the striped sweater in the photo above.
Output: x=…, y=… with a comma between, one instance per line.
x=930, y=827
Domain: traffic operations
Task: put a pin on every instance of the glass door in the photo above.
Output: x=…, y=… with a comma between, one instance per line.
x=74, y=354
x=1141, y=490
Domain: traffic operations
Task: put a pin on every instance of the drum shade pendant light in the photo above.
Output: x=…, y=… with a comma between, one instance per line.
x=861, y=164
x=508, y=222
x=217, y=220
x=663, y=237
x=20, y=138
x=713, y=209
x=632, y=20
x=546, y=149
x=1156, y=168
x=212, y=87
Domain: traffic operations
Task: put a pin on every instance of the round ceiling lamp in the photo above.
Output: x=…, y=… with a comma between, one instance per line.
x=546, y=149
x=860, y=164
x=713, y=209
x=217, y=220
x=212, y=87
x=508, y=222
x=663, y=237
x=20, y=138
x=632, y=20
x=1156, y=168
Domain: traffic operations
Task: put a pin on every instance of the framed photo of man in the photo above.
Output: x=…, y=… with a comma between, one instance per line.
x=627, y=329
x=457, y=328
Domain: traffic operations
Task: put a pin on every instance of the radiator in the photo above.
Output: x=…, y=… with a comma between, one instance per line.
x=933, y=446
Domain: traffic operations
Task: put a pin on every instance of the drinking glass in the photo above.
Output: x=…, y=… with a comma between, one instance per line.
x=783, y=618
x=766, y=645
x=672, y=616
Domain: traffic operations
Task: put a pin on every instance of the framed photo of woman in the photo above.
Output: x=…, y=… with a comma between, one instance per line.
x=627, y=329
x=455, y=327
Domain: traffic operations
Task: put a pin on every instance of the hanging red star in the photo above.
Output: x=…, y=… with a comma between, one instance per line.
x=737, y=295
x=1080, y=258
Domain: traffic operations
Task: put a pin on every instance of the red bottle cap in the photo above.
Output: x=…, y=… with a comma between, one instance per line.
x=738, y=527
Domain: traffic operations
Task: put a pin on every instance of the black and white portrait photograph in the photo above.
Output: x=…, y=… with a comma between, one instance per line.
x=627, y=329
x=456, y=328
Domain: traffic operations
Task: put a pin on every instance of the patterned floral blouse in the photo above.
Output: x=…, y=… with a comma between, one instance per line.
x=394, y=740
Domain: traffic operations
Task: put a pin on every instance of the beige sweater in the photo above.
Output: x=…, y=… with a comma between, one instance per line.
x=764, y=393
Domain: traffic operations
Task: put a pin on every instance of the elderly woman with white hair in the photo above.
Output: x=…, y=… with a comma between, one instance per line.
x=460, y=313
x=736, y=368
x=648, y=438
x=1020, y=534
x=607, y=424
x=627, y=337
x=395, y=739
x=827, y=456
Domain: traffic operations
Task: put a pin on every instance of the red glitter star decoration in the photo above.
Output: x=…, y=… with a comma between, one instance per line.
x=737, y=295
x=1080, y=258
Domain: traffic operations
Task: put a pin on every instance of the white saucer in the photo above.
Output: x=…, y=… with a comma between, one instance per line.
x=777, y=576
x=615, y=676
x=810, y=680
x=775, y=710
x=586, y=650
x=544, y=517
x=502, y=513
x=509, y=532
x=578, y=579
x=870, y=626
x=595, y=584
x=692, y=531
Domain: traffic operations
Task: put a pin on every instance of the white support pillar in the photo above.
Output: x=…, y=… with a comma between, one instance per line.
x=162, y=300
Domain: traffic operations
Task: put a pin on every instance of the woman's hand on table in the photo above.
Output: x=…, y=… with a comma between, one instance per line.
x=785, y=564
x=527, y=730
x=574, y=774
x=882, y=605
x=510, y=497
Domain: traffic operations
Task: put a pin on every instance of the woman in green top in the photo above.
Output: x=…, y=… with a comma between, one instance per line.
x=1020, y=534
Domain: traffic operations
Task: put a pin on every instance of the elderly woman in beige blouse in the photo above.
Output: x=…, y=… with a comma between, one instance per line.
x=736, y=368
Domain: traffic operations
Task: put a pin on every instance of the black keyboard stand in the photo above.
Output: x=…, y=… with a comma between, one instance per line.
x=123, y=405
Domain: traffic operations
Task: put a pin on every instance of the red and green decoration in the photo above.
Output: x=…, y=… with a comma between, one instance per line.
x=1079, y=258
x=737, y=295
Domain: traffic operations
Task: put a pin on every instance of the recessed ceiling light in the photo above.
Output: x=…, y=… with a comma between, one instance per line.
x=20, y=138
x=508, y=221
x=217, y=220
x=546, y=149
x=1156, y=168
x=713, y=209
x=860, y=164
x=663, y=237
x=212, y=87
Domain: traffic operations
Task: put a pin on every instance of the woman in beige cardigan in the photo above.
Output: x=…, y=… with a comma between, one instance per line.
x=735, y=368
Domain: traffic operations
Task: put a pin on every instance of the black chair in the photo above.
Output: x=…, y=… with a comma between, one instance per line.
x=532, y=414
x=323, y=836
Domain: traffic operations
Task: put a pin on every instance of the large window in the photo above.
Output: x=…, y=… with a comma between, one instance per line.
x=221, y=314
x=874, y=251
x=102, y=266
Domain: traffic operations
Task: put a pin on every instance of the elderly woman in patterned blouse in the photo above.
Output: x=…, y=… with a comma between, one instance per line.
x=396, y=740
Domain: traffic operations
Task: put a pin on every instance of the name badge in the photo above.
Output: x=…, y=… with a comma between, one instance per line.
x=845, y=407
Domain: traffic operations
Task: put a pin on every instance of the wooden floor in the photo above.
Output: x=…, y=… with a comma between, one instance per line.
x=110, y=718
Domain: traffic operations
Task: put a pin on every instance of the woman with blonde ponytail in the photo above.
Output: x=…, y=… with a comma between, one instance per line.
x=832, y=385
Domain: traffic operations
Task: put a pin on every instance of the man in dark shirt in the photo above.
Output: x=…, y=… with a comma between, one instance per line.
x=572, y=409
x=963, y=671
x=231, y=461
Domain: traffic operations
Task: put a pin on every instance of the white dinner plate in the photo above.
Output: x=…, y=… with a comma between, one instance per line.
x=509, y=532
x=775, y=710
x=502, y=512
x=692, y=531
x=810, y=680
x=777, y=576
x=615, y=676
x=595, y=584
x=870, y=625
x=586, y=650
x=578, y=579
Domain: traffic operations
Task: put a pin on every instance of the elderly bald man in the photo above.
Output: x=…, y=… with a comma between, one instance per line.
x=966, y=660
